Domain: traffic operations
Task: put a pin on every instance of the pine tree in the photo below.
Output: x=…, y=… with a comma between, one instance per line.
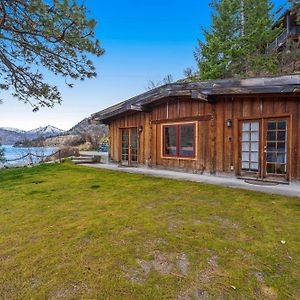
x=37, y=35
x=258, y=33
x=235, y=45
x=216, y=54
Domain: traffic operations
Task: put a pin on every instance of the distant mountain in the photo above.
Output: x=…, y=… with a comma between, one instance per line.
x=14, y=129
x=85, y=126
x=10, y=136
x=45, y=132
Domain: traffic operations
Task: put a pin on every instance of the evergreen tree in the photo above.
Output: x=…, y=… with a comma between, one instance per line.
x=37, y=35
x=235, y=45
x=216, y=54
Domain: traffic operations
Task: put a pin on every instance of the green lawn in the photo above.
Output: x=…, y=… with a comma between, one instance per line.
x=69, y=232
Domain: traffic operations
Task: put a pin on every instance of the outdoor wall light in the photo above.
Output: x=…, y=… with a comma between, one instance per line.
x=229, y=123
x=140, y=128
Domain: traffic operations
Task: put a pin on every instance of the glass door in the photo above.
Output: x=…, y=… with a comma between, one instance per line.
x=133, y=146
x=264, y=148
x=129, y=151
x=125, y=146
x=275, y=148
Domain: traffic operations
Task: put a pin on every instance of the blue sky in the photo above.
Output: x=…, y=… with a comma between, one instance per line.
x=144, y=40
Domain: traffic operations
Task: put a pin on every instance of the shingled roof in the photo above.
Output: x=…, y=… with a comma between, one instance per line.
x=204, y=91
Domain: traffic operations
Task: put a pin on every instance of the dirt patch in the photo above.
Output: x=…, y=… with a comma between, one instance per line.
x=135, y=276
x=199, y=222
x=149, y=206
x=173, y=226
x=161, y=241
x=145, y=265
x=225, y=223
x=161, y=263
x=194, y=295
x=205, y=276
x=182, y=264
x=68, y=291
x=269, y=292
x=7, y=256
x=185, y=296
x=259, y=276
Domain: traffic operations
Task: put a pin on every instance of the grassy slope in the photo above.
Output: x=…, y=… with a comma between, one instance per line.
x=73, y=232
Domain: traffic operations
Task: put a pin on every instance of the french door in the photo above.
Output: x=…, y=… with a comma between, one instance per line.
x=129, y=146
x=264, y=148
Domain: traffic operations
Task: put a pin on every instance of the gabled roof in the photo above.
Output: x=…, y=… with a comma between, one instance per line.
x=203, y=91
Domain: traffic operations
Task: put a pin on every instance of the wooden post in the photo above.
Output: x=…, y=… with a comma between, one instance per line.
x=59, y=155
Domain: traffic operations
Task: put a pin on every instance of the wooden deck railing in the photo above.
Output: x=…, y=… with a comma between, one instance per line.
x=283, y=37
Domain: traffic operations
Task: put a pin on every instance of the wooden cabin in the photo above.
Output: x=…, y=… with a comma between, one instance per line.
x=248, y=128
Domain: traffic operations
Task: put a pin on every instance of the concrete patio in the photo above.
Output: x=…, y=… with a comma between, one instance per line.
x=280, y=189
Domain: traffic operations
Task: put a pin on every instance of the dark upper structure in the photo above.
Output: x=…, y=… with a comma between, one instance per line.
x=291, y=30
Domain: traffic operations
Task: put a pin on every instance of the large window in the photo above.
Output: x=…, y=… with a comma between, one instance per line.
x=179, y=140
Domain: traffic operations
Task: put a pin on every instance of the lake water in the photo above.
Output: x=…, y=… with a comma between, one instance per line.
x=12, y=153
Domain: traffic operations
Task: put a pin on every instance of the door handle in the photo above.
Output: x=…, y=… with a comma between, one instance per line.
x=265, y=149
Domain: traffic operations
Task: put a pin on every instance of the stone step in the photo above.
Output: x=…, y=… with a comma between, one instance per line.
x=86, y=160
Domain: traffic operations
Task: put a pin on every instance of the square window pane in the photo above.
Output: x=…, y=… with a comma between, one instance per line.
x=281, y=135
x=282, y=125
x=187, y=140
x=254, y=157
x=245, y=165
x=255, y=126
x=246, y=137
x=271, y=125
x=280, y=169
x=254, y=146
x=271, y=147
x=246, y=126
x=281, y=158
x=271, y=136
x=254, y=166
x=245, y=156
x=271, y=168
x=281, y=147
x=254, y=136
x=246, y=146
x=271, y=157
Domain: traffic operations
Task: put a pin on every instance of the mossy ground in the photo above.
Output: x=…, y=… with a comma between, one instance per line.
x=69, y=232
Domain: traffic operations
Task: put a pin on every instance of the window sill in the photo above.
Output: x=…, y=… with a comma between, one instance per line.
x=178, y=157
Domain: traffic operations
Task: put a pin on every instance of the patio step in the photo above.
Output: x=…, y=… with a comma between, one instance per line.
x=86, y=160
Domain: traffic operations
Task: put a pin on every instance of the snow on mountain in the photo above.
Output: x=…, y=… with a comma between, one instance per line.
x=46, y=131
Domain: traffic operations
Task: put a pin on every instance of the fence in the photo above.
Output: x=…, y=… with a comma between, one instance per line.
x=33, y=158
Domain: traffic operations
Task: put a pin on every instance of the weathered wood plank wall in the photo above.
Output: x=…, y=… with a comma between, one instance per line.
x=217, y=144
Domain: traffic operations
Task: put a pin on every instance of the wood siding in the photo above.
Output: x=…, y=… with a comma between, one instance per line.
x=218, y=145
